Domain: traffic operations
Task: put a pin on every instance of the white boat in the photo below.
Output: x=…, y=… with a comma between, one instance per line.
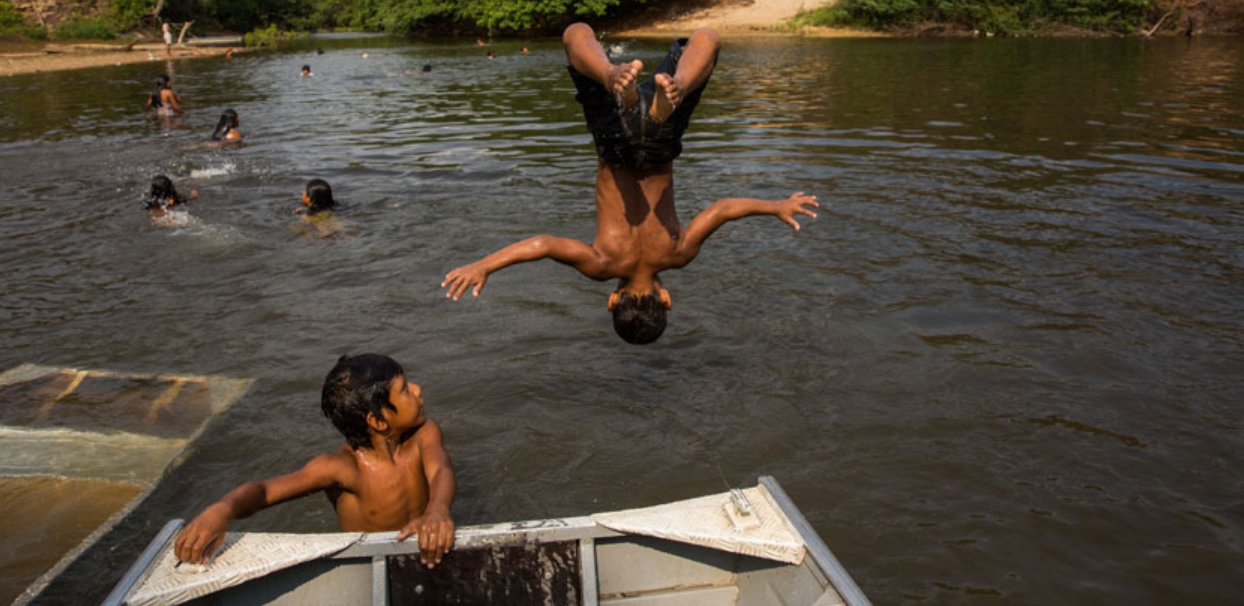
x=741, y=547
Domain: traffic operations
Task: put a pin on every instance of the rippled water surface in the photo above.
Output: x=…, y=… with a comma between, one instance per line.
x=1003, y=364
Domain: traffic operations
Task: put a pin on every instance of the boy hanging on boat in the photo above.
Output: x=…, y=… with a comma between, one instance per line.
x=638, y=132
x=392, y=474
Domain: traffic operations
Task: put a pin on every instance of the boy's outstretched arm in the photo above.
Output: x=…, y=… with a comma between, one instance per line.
x=200, y=539
x=435, y=527
x=563, y=250
x=728, y=209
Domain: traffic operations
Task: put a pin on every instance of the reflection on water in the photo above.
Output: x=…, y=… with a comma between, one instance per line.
x=1002, y=363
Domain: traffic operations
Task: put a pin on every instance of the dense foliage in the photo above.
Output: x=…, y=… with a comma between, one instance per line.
x=434, y=17
x=1006, y=17
x=270, y=20
x=11, y=21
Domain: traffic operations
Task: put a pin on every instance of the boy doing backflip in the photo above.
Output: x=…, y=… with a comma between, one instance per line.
x=637, y=129
x=392, y=474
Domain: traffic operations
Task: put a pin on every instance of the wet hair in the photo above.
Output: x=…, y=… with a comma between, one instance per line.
x=321, y=195
x=162, y=194
x=427, y=67
x=154, y=99
x=639, y=320
x=228, y=121
x=356, y=387
x=306, y=68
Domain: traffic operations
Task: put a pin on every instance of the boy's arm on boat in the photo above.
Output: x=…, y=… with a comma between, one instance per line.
x=200, y=539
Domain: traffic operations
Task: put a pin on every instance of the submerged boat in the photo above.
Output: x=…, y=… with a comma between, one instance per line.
x=745, y=546
x=80, y=449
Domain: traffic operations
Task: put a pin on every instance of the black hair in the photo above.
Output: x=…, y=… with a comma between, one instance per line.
x=306, y=68
x=356, y=387
x=228, y=121
x=162, y=194
x=154, y=99
x=639, y=320
x=321, y=195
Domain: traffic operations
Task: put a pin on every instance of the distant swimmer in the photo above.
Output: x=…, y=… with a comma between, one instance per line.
x=306, y=71
x=317, y=198
x=227, y=127
x=164, y=197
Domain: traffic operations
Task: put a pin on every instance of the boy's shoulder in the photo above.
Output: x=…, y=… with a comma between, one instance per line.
x=425, y=435
x=340, y=466
x=335, y=463
x=430, y=430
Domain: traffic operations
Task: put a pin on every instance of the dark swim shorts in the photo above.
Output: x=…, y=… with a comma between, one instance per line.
x=628, y=137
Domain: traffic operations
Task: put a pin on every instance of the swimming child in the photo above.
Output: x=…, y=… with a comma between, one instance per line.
x=637, y=129
x=163, y=99
x=317, y=197
x=393, y=472
x=227, y=127
x=306, y=71
x=164, y=196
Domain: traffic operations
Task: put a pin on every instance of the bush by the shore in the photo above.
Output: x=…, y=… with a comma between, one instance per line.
x=1030, y=17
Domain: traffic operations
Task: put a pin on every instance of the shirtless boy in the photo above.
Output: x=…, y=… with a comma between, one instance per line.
x=392, y=474
x=638, y=131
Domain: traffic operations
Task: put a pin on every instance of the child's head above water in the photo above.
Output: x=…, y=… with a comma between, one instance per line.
x=318, y=196
x=306, y=70
x=356, y=387
x=228, y=122
x=162, y=194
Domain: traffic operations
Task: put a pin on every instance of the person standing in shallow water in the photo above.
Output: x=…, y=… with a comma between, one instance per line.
x=637, y=129
x=163, y=99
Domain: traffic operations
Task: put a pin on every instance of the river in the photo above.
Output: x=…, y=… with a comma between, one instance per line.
x=1003, y=363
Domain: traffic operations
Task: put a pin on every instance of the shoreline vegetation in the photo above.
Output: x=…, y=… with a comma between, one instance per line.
x=78, y=38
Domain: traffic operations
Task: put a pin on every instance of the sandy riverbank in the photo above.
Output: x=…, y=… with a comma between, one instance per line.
x=729, y=17
x=56, y=57
x=733, y=18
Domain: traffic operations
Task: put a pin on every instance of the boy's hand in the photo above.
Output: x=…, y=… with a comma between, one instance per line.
x=436, y=535
x=200, y=539
x=797, y=203
x=462, y=278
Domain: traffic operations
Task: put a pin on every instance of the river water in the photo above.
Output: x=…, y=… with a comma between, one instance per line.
x=1003, y=364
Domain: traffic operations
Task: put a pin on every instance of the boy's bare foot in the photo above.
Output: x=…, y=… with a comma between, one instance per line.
x=621, y=82
x=666, y=98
